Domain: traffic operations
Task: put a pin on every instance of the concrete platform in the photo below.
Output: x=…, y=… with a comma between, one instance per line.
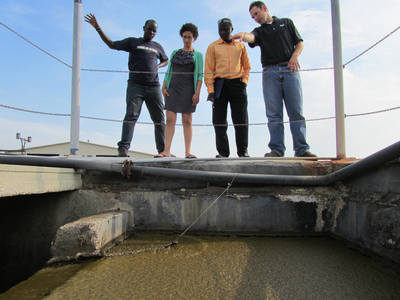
x=28, y=180
x=90, y=235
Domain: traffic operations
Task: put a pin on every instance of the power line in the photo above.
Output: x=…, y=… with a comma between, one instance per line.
x=36, y=45
x=200, y=125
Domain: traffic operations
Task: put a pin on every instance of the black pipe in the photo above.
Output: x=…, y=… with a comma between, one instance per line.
x=371, y=162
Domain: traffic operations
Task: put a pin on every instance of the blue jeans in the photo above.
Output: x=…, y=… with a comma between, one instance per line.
x=136, y=93
x=284, y=87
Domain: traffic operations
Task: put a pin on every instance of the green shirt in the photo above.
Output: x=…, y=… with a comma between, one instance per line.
x=198, y=68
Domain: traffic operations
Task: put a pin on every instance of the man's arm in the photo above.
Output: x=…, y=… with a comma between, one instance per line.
x=209, y=69
x=163, y=63
x=294, y=64
x=245, y=60
x=244, y=37
x=91, y=19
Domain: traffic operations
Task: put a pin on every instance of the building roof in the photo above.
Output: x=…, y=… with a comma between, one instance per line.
x=85, y=149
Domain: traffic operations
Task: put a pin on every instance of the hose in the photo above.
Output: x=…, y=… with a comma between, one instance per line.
x=369, y=163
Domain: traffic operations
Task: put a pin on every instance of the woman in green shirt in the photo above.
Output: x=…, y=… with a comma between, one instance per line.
x=181, y=88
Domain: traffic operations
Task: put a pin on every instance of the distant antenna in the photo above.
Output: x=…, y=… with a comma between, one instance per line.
x=23, y=142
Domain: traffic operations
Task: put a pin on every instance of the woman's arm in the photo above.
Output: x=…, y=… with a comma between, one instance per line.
x=196, y=96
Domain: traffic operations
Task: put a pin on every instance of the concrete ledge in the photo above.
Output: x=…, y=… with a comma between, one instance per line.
x=88, y=236
x=27, y=180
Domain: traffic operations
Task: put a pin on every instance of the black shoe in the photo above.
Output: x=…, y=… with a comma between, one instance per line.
x=307, y=154
x=272, y=154
x=220, y=156
x=244, y=155
x=123, y=153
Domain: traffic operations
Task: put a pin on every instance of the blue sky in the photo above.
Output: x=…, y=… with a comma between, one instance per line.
x=32, y=80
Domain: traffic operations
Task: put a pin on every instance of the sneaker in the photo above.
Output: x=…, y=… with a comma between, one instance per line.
x=272, y=154
x=123, y=153
x=307, y=154
x=244, y=155
x=220, y=156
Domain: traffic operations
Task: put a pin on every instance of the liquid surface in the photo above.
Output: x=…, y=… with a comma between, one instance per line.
x=201, y=267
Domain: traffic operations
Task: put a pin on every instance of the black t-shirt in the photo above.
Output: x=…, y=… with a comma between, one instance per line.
x=143, y=56
x=277, y=40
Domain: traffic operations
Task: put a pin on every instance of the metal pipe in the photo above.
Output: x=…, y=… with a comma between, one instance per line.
x=371, y=162
x=76, y=78
x=339, y=91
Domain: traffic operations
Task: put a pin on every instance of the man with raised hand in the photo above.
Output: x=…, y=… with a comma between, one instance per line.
x=143, y=83
x=281, y=46
x=226, y=74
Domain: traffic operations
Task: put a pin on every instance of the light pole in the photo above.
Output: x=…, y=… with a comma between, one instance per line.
x=23, y=142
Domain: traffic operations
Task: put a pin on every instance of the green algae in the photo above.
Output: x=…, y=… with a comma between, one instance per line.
x=201, y=267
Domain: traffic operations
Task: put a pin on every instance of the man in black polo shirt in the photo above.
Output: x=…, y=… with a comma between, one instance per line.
x=281, y=45
x=143, y=56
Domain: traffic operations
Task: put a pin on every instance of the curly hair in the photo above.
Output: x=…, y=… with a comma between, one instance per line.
x=189, y=27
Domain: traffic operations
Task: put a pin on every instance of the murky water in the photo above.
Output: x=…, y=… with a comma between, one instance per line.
x=218, y=268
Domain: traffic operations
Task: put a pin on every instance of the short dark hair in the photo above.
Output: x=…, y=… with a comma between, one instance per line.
x=259, y=4
x=189, y=27
x=150, y=20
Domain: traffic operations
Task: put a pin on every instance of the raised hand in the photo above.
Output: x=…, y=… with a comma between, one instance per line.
x=91, y=19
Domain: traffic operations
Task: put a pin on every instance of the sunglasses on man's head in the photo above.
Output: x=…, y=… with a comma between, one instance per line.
x=224, y=21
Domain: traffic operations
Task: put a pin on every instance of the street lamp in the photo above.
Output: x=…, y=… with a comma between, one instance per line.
x=23, y=142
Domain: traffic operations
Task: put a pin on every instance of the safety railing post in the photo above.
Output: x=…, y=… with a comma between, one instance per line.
x=339, y=91
x=76, y=78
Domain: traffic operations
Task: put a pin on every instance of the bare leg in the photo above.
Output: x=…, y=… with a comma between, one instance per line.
x=169, y=132
x=187, y=132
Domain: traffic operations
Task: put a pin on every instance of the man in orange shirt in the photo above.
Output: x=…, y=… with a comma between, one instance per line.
x=226, y=74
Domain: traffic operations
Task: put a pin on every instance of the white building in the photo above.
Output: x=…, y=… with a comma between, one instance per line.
x=85, y=149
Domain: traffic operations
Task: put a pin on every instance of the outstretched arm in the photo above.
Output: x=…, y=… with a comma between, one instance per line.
x=244, y=37
x=91, y=19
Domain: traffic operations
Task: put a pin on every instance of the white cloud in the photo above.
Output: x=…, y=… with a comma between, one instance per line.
x=41, y=133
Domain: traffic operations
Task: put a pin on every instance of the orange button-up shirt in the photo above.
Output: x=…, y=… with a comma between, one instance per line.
x=224, y=60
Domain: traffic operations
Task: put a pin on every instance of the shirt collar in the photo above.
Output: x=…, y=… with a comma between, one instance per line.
x=274, y=19
x=221, y=41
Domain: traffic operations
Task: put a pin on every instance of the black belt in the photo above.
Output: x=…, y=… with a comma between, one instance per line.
x=281, y=64
x=226, y=79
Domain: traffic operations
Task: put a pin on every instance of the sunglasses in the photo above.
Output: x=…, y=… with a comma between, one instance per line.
x=224, y=21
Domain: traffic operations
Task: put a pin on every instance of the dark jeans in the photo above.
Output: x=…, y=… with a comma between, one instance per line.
x=233, y=91
x=136, y=93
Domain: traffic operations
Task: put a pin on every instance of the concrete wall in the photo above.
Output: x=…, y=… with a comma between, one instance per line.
x=370, y=215
x=363, y=210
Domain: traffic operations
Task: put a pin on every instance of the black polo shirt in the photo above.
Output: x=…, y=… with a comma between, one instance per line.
x=143, y=56
x=277, y=40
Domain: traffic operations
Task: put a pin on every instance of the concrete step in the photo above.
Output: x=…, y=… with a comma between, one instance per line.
x=89, y=236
